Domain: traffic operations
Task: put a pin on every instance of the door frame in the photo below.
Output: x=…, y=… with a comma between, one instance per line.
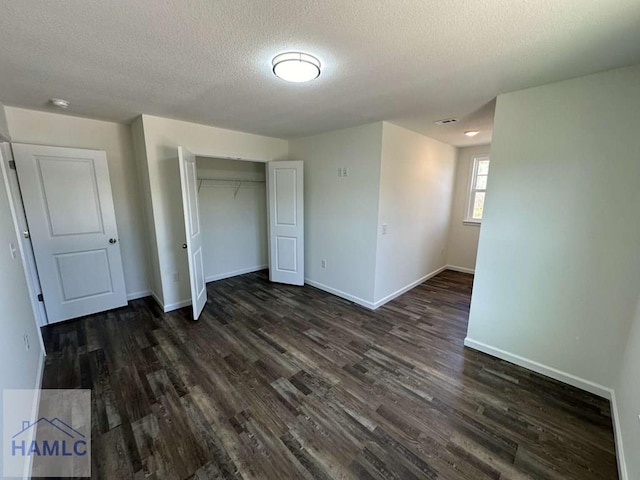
x=10, y=179
x=212, y=154
x=20, y=221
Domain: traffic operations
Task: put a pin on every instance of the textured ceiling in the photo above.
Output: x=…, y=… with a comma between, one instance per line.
x=407, y=61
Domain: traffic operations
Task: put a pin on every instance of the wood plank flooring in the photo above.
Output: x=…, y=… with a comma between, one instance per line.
x=280, y=382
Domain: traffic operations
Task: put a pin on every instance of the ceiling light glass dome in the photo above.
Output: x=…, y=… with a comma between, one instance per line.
x=296, y=67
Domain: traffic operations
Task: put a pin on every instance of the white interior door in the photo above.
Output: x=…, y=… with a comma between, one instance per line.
x=69, y=207
x=189, y=182
x=286, y=222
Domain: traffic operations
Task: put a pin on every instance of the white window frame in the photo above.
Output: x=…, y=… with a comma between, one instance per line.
x=471, y=190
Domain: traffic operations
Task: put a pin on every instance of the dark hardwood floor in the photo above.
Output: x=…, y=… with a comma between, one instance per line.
x=279, y=382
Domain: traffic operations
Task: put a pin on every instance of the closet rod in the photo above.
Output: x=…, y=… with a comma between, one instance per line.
x=234, y=180
x=237, y=181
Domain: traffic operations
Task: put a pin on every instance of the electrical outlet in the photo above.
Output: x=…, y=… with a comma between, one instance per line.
x=345, y=172
x=323, y=263
x=25, y=339
x=384, y=228
x=176, y=277
x=13, y=250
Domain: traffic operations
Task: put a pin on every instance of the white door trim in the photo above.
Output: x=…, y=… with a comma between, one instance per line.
x=16, y=207
x=20, y=222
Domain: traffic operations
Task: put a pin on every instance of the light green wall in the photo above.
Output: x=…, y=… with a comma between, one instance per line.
x=628, y=400
x=47, y=128
x=416, y=188
x=341, y=213
x=4, y=126
x=462, y=245
x=161, y=137
x=558, y=269
x=21, y=368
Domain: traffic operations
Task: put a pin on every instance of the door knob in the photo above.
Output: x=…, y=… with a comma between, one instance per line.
x=112, y=241
x=184, y=245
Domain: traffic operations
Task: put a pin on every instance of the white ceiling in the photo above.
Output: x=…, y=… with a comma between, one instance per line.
x=407, y=61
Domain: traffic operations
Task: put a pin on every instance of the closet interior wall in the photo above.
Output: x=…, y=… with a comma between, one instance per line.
x=233, y=216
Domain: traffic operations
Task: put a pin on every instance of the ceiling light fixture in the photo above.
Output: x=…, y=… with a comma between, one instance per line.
x=58, y=102
x=471, y=133
x=296, y=67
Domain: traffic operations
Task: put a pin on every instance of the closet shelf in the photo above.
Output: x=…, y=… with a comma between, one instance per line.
x=227, y=181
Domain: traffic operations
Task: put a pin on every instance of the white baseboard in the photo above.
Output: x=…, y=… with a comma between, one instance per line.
x=170, y=307
x=40, y=373
x=137, y=295
x=540, y=368
x=340, y=293
x=366, y=303
x=176, y=306
x=405, y=289
x=564, y=377
x=157, y=299
x=35, y=408
x=242, y=271
x=461, y=269
x=615, y=417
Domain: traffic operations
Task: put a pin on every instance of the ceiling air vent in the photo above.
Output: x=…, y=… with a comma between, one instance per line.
x=447, y=121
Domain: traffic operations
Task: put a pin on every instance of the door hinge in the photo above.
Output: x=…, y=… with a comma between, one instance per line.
x=12, y=164
x=40, y=298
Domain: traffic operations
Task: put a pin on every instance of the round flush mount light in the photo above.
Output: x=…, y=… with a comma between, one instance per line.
x=471, y=133
x=296, y=67
x=60, y=103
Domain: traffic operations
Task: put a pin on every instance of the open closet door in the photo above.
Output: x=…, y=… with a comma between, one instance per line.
x=189, y=182
x=286, y=222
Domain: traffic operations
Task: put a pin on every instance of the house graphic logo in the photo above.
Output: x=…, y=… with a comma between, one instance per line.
x=54, y=438
x=46, y=433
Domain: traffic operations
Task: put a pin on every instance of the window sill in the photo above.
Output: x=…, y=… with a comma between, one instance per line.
x=475, y=223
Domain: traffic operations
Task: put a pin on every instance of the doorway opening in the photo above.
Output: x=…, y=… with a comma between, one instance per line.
x=220, y=228
x=233, y=216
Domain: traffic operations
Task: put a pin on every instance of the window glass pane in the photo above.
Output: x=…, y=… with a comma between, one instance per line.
x=481, y=182
x=483, y=167
x=478, y=205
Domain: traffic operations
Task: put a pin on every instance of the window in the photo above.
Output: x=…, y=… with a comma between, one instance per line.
x=477, y=189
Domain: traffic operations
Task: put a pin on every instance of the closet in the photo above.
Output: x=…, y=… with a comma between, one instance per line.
x=233, y=216
x=225, y=203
